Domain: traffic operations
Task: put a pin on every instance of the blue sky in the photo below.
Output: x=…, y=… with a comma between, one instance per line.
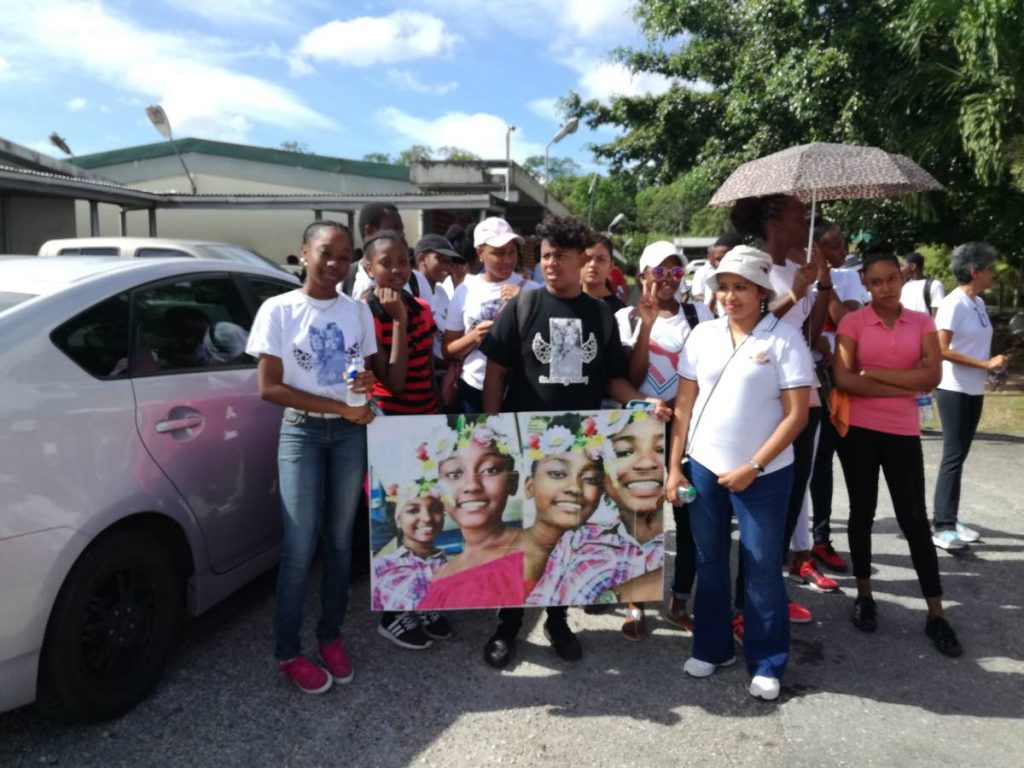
x=343, y=78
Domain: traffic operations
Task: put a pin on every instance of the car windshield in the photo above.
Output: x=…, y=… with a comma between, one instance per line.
x=9, y=299
x=237, y=253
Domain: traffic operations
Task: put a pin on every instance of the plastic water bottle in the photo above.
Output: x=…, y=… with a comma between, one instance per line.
x=924, y=409
x=354, y=399
x=686, y=495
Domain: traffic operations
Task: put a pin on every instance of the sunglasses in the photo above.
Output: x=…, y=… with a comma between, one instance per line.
x=660, y=273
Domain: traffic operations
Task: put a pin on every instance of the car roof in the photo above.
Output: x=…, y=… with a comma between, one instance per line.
x=151, y=241
x=43, y=277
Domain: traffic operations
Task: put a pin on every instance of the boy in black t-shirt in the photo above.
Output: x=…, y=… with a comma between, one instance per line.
x=553, y=349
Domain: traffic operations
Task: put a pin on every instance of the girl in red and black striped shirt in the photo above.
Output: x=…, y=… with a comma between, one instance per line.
x=405, y=330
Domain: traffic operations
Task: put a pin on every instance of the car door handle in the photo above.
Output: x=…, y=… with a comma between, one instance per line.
x=172, y=425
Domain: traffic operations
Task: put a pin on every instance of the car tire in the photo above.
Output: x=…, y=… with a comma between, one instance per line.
x=112, y=628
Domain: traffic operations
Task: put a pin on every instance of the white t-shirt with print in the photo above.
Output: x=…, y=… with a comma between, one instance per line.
x=729, y=424
x=668, y=335
x=972, y=336
x=314, y=338
x=474, y=301
x=912, y=295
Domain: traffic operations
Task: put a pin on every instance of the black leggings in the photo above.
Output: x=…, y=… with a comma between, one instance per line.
x=960, y=415
x=803, y=461
x=862, y=452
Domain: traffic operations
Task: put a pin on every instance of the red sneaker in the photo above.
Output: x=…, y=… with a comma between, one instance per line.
x=737, y=628
x=337, y=661
x=808, y=573
x=799, y=614
x=309, y=677
x=828, y=556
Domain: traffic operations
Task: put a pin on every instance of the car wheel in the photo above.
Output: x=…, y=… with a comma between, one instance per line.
x=112, y=628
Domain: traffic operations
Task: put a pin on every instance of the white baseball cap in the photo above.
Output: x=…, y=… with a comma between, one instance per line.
x=494, y=231
x=657, y=252
x=747, y=262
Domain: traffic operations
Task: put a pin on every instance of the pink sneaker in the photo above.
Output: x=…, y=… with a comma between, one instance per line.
x=336, y=661
x=309, y=677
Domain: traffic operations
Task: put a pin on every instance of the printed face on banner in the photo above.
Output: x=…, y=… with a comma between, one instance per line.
x=516, y=509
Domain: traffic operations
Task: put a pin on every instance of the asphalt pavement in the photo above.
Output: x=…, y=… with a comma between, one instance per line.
x=848, y=698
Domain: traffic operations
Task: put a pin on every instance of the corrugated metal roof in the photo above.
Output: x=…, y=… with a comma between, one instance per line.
x=244, y=152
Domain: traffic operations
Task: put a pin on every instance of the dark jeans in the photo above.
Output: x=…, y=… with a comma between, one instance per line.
x=510, y=620
x=472, y=398
x=803, y=460
x=821, y=481
x=960, y=414
x=862, y=452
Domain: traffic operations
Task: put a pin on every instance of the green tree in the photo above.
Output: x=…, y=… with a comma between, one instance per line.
x=456, y=154
x=296, y=146
x=378, y=157
x=613, y=194
x=415, y=153
x=559, y=167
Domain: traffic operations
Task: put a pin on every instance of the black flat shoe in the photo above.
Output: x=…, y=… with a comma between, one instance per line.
x=865, y=617
x=943, y=636
x=499, y=651
x=563, y=641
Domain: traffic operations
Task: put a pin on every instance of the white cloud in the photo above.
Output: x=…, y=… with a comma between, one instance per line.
x=403, y=78
x=238, y=11
x=480, y=133
x=603, y=79
x=77, y=104
x=577, y=20
x=546, y=108
x=369, y=40
x=186, y=73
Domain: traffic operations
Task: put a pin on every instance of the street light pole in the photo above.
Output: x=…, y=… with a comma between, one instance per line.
x=618, y=218
x=565, y=130
x=158, y=118
x=590, y=194
x=508, y=159
x=59, y=142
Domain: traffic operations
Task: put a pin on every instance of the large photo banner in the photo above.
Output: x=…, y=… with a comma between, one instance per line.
x=527, y=509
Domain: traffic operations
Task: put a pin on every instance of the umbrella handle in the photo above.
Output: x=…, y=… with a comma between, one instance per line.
x=810, y=228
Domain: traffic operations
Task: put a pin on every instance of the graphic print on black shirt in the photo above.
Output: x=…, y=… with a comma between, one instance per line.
x=565, y=355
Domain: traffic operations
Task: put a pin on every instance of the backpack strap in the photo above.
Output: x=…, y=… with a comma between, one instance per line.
x=527, y=305
x=690, y=312
x=414, y=284
x=634, y=321
x=928, y=293
x=350, y=279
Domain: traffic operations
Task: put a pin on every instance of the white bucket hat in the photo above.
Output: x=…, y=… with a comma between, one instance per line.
x=747, y=262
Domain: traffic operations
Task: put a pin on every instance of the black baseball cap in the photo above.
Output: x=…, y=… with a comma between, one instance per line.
x=437, y=244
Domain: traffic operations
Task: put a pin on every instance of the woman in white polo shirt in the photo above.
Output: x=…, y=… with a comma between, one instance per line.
x=965, y=338
x=744, y=385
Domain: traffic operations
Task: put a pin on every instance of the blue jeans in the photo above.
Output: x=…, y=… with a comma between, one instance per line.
x=322, y=464
x=761, y=513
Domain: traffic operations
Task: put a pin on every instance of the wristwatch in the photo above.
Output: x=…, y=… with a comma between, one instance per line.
x=822, y=287
x=758, y=467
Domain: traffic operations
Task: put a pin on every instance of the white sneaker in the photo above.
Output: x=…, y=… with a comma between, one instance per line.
x=763, y=687
x=967, y=534
x=697, y=668
x=948, y=540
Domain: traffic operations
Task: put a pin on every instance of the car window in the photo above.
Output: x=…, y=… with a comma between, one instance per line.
x=98, y=338
x=267, y=289
x=152, y=253
x=188, y=324
x=92, y=250
x=236, y=253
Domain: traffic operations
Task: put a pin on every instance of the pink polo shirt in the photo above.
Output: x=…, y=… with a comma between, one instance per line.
x=878, y=346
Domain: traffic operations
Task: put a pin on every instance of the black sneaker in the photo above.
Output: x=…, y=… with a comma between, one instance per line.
x=865, y=617
x=943, y=636
x=435, y=625
x=500, y=648
x=563, y=640
x=404, y=630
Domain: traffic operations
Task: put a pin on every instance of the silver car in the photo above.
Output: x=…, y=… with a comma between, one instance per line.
x=138, y=473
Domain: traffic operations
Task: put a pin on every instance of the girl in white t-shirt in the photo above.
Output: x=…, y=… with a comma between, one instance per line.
x=305, y=341
x=965, y=338
x=476, y=303
x=743, y=393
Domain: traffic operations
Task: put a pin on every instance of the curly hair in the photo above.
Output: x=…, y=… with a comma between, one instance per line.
x=565, y=232
x=750, y=214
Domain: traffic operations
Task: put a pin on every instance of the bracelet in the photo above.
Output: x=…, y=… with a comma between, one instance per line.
x=822, y=287
x=758, y=467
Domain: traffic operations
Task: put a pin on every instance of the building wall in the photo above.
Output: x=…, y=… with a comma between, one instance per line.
x=273, y=233
x=28, y=222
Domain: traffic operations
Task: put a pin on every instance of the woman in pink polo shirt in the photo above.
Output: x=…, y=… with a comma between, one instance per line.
x=885, y=354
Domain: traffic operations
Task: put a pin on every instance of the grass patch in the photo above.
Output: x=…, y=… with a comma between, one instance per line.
x=1003, y=414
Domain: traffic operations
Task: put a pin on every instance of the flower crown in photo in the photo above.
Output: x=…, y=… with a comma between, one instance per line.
x=421, y=487
x=482, y=430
